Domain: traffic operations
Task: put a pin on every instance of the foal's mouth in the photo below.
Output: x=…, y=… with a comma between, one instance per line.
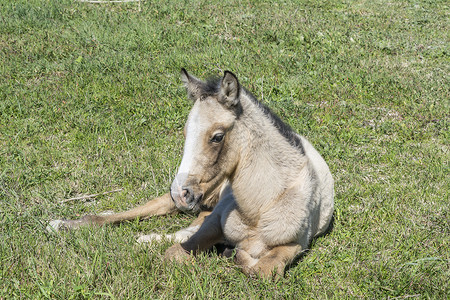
x=187, y=200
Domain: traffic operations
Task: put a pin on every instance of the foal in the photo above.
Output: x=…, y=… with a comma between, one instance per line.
x=276, y=191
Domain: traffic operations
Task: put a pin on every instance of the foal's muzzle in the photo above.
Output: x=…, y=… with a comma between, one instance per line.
x=184, y=197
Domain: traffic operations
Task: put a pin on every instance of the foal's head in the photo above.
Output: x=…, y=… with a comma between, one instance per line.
x=210, y=155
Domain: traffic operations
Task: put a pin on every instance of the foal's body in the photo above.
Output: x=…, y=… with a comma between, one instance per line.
x=279, y=190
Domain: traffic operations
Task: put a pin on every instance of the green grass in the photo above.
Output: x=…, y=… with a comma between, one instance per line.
x=91, y=101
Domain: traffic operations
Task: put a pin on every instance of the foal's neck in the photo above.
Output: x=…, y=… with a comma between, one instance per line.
x=268, y=162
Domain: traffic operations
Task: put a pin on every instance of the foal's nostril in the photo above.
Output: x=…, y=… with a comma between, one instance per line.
x=185, y=194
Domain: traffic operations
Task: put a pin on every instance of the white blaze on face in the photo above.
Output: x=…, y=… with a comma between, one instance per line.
x=193, y=140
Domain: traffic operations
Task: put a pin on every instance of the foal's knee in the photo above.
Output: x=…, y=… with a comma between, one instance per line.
x=245, y=261
x=177, y=253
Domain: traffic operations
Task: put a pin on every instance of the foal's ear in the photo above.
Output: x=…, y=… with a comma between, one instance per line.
x=229, y=89
x=192, y=84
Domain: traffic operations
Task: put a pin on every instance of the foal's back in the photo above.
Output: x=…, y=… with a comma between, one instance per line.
x=325, y=185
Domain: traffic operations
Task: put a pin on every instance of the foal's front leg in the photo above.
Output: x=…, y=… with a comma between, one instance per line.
x=180, y=236
x=274, y=260
x=209, y=234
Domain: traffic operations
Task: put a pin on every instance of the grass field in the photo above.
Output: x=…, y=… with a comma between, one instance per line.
x=91, y=101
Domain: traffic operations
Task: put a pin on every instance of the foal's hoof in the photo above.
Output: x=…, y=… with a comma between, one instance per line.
x=62, y=225
x=150, y=238
x=177, y=253
x=55, y=226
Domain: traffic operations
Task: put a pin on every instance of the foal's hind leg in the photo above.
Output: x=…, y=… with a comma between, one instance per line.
x=275, y=259
x=155, y=207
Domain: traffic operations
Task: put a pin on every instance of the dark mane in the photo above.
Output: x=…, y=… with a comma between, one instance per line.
x=284, y=129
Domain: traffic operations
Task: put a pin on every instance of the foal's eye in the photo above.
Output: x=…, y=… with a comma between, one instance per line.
x=217, y=138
